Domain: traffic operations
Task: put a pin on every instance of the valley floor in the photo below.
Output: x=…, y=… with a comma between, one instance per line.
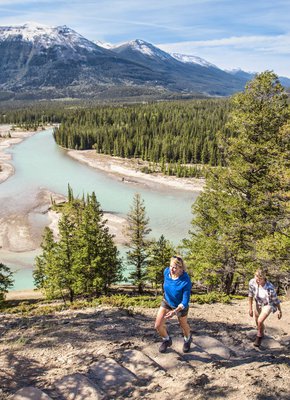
x=112, y=353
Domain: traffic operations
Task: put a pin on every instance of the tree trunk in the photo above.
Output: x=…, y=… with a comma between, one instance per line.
x=71, y=295
x=228, y=282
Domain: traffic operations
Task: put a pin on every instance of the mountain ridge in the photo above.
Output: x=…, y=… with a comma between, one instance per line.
x=38, y=61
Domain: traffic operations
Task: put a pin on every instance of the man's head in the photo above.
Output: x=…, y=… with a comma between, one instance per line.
x=260, y=276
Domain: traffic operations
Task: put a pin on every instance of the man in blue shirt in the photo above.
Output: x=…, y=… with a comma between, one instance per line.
x=177, y=287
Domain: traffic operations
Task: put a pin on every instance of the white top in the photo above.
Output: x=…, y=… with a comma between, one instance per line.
x=262, y=296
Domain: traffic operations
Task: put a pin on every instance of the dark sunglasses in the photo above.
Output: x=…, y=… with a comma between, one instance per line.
x=178, y=258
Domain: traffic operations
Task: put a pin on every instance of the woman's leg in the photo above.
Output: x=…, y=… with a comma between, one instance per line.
x=184, y=326
x=264, y=313
x=257, y=313
x=160, y=322
x=186, y=333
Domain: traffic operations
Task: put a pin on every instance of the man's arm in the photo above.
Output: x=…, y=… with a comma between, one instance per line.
x=251, y=313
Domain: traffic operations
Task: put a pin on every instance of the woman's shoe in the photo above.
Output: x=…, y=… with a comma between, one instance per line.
x=257, y=341
x=164, y=345
x=186, y=345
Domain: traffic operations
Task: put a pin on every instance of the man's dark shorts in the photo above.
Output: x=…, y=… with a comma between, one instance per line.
x=181, y=313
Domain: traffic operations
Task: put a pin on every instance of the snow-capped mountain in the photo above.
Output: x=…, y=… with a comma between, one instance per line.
x=185, y=58
x=44, y=37
x=58, y=61
x=240, y=73
x=187, y=76
x=144, y=48
x=42, y=61
x=105, y=45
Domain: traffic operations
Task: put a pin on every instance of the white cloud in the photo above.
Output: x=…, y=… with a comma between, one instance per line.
x=271, y=44
x=22, y=2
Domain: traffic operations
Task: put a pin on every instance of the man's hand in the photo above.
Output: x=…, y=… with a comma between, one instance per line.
x=251, y=312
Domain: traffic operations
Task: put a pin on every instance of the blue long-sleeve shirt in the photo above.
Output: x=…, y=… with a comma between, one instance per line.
x=176, y=291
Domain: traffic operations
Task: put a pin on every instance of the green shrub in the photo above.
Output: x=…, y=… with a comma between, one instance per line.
x=125, y=301
x=118, y=300
x=209, y=298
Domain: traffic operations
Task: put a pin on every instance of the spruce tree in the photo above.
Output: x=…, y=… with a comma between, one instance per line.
x=97, y=256
x=6, y=280
x=85, y=260
x=45, y=273
x=66, y=260
x=136, y=232
x=160, y=252
x=245, y=204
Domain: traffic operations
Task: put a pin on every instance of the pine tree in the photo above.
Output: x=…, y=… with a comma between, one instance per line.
x=246, y=203
x=6, y=280
x=46, y=271
x=136, y=232
x=160, y=252
x=97, y=256
x=66, y=260
x=85, y=260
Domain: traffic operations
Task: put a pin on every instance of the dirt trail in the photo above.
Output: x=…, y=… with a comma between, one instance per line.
x=109, y=353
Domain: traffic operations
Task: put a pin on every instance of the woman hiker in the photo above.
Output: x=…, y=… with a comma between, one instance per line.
x=177, y=287
x=266, y=302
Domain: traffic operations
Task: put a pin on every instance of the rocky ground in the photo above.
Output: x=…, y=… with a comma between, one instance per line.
x=109, y=353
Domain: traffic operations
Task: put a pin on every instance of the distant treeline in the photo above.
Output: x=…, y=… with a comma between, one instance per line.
x=32, y=116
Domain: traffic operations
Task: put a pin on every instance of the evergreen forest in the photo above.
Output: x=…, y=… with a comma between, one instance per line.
x=84, y=259
x=241, y=220
x=175, y=137
x=165, y=133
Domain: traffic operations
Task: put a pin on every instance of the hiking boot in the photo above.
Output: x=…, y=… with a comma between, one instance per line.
x=257, y=341
x=186, y=345
x=164, y=345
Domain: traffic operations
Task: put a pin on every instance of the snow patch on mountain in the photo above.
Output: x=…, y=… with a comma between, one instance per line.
x=239, y=71
x=146, y=48
x=46, y=36
x=104, y=45
x=192, y=60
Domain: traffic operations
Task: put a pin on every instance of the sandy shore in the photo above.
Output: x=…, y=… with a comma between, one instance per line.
x=18, y=234
x=28, y=294
x=129, y=171
x=18, y=230
x=114, y=222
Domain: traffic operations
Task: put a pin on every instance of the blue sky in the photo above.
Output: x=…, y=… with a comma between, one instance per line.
x=252, y=34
